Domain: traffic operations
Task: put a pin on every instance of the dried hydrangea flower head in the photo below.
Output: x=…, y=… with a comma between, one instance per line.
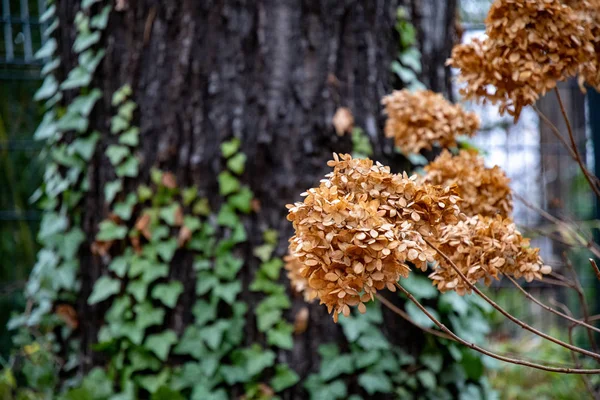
x=484, y=191
x=418, y=120
x=588, y=12
x=356, y=231
x=483, y=247
x=530, y=45
x=299, y=283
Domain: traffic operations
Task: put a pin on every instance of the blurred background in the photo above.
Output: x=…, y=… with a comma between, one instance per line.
x=541, y=170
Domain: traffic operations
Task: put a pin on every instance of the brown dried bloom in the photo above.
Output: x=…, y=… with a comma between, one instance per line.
x=588, y=11
x=530, y=45
x=421, y=119
x=482, y=190
x=297, y=281
x=358, y=229
x=483, y=247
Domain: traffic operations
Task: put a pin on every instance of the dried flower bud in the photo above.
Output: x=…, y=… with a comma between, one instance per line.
x=421, y=119
x=483, y=247
x=358, y=229
x=530, y=45
x=484, y=191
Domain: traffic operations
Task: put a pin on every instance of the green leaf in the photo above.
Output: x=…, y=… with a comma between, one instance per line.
x=72, y=121
x=153, y=382
x=49, y=13
x=204, y=312
x=138, y=289
x=284, y=378
x=228, y=291
x=427, y=379
x=272, y=268
x=111, y=231
x=201, y=207
x=47, y=128
x=125, y=209
x=432, y=361
x=86, y=4
x=104, y=288
x=168, y=293
x=121, y=94
x=265, y=319
x=419, y=317
x=84, y=40
x=230, y=147
x=119, y=265
x=336, y=366
x=281, y=336
x=169, y=213
x=130, y=137
x=129, y=168
x=237, y=163
x=100, y=21
x=189, y=195
x=84, y=104
x=71, y=242
x=85, y=146
x=227, y=266
x=126, y=110
x=111, y=189
x=117, y=153
x=147, y=316
x=373, y=383
x=354, y=326
x=227, y=217
x=166, y=249
x=411, y=58
x=154, y=271
x=258, y=359
x=192, y=223
x=205, y=282
x=331, y=391
x=227, y=183
x=191, y=343
x=166, y=393
x=451, y=301
x=160, y=343
x=241, y=201
x=373, y=340
x=47, y=90
x=118, y=124
x=144, y=193
x=50, y=66
x=78, y=77
x=47, y=50
x=213, y=334
x=420, y=287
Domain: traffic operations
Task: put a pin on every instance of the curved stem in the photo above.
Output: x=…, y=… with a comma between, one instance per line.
x=548, y=308
x=490, y=353
x=574, y=144
x=506, y=313
x=404, y=315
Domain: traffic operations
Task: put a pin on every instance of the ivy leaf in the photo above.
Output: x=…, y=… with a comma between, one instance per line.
x=155, y=271
x=144, y=193
x=121, y=94
x=129, y=168
x=192, y=223
x=170, y=213
x=166, y=249
x=104, y=288
x=205, y=282
x=100, y=21
x=111, y=231
x=271, y=236
x=411, y=58
x=420, y=287
x=111, y=189
x=84, y=40
x=284, y=378
x=227, y=217
x=130, y=137
x=72, y=121
x=204, y=312
x=201, y=207
x=47, y=128
x=78, y=77
x=119, y=265
x=160, y=343
x=264, y=251
x=258, y=359
x=230, y=147
x=84, y=104
x=272, y=267
x=373, y=383
x=153, y=382
x=116, y=154
x=213, y=334
x=47, y=90
x=147, y=316
x=86, y=4
x=125, y=209
x=168, y=293
x=451, y=301
x=90, y=59
x=354, y=326
x=281, y=336
x=49, y=13
x=237, y=163
x=71, y=242
x=267, y=318
x=118, y=124
x=126, y=110
x=331, y=391
x=432, y=361
x=419, y=317
x=47, y=50
x=242, y=200
x=227, y=266
x=228, y=291
x=227, y=183
x=334, y=367
x=85, y=146
x=191, y=343
x=138, y=289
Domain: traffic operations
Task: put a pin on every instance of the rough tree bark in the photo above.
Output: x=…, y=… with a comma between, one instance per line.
x=271, y=73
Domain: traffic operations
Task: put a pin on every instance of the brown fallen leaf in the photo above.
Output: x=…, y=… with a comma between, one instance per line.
x=143, y=225
x=169, y=180
x=301, y=321
x=184, y=235
x=343, y=121
x=68, y=315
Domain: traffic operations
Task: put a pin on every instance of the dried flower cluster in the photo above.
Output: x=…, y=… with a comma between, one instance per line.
x=484, y=191
x=356, y=231
x=418, y=120
x=588, y=11
x=530, y=45
x=483, y=247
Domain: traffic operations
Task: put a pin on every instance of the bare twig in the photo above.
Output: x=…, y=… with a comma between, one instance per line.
x=488, y=352
x=584, y=378
x=404, y=315
x=506, y=313
x=548, y=308
x=596, y=270
x=586, y=173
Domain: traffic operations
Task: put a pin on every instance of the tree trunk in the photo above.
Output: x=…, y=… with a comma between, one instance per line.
x=271, y=73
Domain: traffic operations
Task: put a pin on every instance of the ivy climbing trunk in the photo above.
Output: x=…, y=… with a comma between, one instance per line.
x=271, y=73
